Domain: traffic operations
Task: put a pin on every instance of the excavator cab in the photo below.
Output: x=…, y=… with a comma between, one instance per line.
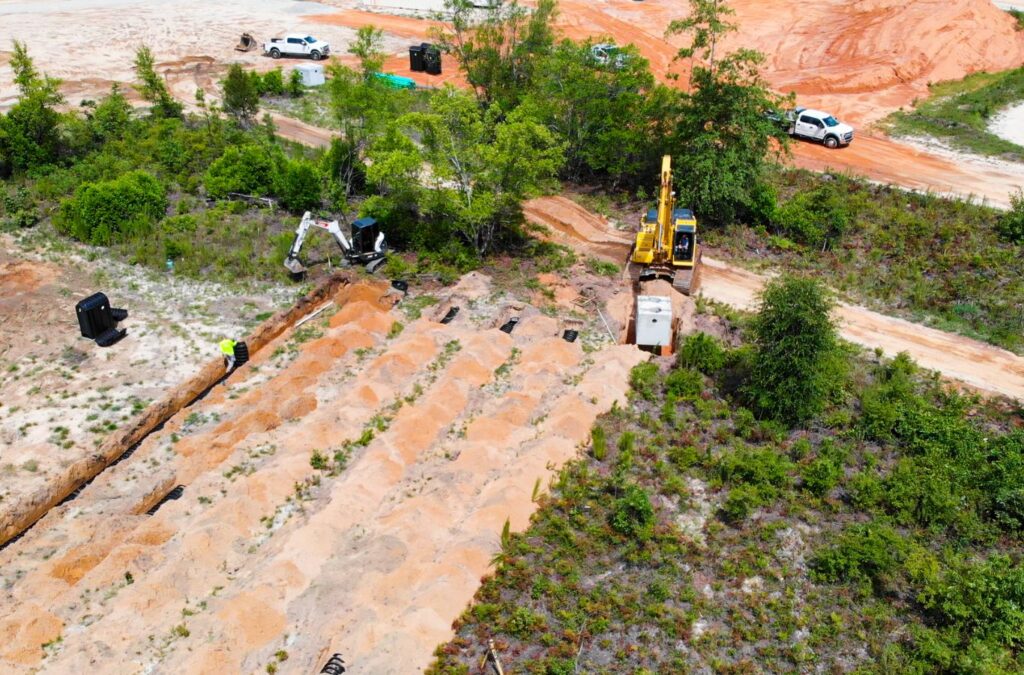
x=364, y=237
x=684, y=237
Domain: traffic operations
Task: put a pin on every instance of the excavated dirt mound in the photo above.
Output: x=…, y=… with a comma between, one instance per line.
x=343, y=492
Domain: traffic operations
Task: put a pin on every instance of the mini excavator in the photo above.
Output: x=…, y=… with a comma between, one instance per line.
x=367, y=246
x=666, y=244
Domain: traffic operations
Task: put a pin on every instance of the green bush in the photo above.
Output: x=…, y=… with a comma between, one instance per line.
x=763, y=468
x=632, y=514
x=814, y=217
x=249, y=169
x=1011, y=224
x=821, y=475
x=272, y=83
x=984, y=599
x=112, y=211
x=599, y=443
x=798, y=364
x=298, y=186
x=868, y=552
x=643, y=378
x=701, y=352
x=684, y=384
x=741, y=502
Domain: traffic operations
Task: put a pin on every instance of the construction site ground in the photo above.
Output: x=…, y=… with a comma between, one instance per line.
x=345, y=491
x=63, y=395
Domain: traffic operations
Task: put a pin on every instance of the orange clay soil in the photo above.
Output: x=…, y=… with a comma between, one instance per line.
x=262, y=552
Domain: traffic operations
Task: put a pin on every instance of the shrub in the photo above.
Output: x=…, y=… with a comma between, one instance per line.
x=821, y=475
x=298, y=186
x=248, y=169
x=762, y=468
x=797, y=363
x=684, y=383
x=642, y=379
x=701, y=352
x=741, y=502
x=272, y=83
x=868, y=552
x=632, y=514
x=523, y=623
x=112, y=211
x=865, y=490
x=982, y=599
x=599, y=443
x=815, y=216
x=1011, y=224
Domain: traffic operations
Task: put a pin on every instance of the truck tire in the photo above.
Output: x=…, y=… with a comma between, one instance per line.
x=316, y=55
x=831, y=142
x=275, y=53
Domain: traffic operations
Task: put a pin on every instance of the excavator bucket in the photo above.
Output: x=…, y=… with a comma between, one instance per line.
x=246, y=43
x=295, y=266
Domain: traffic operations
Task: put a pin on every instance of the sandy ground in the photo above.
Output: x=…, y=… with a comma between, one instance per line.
x=982, y=366
x=63, y=395
x=1009, y=124
x=461, y=425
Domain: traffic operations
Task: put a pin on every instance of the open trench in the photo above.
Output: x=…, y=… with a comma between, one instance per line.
x=442, y=432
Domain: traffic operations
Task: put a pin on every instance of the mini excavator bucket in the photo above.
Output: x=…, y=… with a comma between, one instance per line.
x=246, y=43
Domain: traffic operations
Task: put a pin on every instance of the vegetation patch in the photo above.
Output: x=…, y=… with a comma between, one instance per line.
x=882, y=534
x=959, y=112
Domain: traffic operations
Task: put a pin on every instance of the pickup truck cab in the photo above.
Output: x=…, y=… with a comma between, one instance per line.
x=297, y=45
x=817, y=126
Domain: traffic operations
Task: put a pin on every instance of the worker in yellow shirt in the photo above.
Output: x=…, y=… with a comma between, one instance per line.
x=227, y=348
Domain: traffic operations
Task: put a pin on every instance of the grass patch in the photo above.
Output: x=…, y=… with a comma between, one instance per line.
x=958, y=112
x=942, y=262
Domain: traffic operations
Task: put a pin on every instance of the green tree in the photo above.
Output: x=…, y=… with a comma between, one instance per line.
x=498, y=47
x=480, y=166
x=111, y=116
x=247, y=169
x=363, y=107
x=705, y=24
x=368, y=48
x=298, y=186
x=272, y=83
x=1011, y=223
x=797, y=362
x=30, y=133
x=151, y=86
x=295, y=87
x=611, y=116
x=241, y=97
x=721, y=129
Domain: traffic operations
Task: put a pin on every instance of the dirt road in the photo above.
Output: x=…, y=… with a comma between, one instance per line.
x=977, y=364
x=879, y=158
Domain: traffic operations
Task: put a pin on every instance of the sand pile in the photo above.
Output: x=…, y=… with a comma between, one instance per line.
x=431, y=436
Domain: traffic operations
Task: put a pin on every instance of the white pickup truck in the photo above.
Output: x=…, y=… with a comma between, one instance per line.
x=297, y=45
x=816, y=126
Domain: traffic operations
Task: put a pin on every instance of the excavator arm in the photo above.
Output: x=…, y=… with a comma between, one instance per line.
x=292, y=262
x=666, y=203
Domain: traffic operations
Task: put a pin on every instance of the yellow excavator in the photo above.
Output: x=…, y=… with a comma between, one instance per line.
x=666, y=245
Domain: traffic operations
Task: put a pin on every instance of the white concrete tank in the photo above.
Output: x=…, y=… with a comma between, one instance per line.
x=653, y=321
x=312, y=74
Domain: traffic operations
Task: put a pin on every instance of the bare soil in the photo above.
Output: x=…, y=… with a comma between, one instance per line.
x=434, y=436
x=63, y=394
